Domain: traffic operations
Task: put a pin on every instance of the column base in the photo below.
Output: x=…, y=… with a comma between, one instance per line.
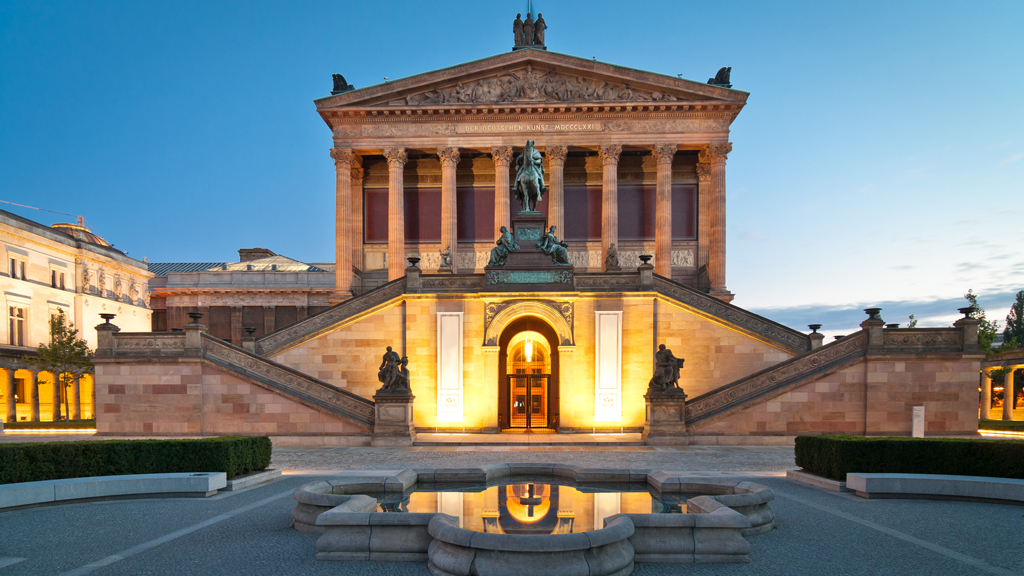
x=338, y=297
x=393, y=424
x=722, y=294
x=665, y=421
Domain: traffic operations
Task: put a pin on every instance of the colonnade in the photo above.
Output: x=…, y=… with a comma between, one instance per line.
x=349, y=209
x=32, y=395
x=1008, y=391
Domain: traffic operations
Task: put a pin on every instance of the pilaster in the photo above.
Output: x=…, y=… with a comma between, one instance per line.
x=357, y=217
x=703, y=212
x=32, y=391
x=502, y=156
x=9, y=391
x=396, y=158
x=609, y=197
x=663, y=155
x=556, y=186
x=449, y=208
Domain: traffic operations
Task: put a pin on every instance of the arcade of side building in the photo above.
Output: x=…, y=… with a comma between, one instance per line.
x=426, y=163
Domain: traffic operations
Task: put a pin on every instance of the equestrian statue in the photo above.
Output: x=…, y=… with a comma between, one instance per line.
x=529, y=182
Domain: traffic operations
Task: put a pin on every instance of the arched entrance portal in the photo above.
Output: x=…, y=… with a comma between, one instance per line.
x=528, y=376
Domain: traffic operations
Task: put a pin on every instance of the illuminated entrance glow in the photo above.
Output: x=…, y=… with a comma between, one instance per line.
x=528, y=371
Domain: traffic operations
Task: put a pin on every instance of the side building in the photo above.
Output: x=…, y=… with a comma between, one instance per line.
x=67, y=268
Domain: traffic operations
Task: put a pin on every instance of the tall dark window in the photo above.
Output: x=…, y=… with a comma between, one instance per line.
x=17, y=326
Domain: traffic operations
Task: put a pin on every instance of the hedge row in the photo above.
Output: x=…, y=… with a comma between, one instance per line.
x=835, y=456
x=1011, y=425
x=35, y=461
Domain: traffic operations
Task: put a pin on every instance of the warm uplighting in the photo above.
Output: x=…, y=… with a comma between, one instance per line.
x=528, y=348
x=1000, y=434
x=51, y=431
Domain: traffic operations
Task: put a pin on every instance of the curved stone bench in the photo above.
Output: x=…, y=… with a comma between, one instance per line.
x=708, y=532
x=941, y=486
x=459, y=552
x=198, y=484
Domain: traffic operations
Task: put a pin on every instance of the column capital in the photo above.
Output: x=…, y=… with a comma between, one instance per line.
x=449, y=156
x=357, y=173
x=664, y=153
x=715, y=153
x=502, y=155
x=703, y=172
x=610, y=154
x=344, y=158
x=396, y=157
x=556, y=153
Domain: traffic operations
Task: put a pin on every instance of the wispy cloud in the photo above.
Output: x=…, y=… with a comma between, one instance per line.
x=1012, y=158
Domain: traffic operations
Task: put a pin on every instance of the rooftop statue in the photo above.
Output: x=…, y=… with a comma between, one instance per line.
x=722, y=78
x=528, y=28
x=557, y=249
x=538, y=30
x=517, y=30
x=340, y=85
x=529, y=182
x=505, y=246
x=666, y=372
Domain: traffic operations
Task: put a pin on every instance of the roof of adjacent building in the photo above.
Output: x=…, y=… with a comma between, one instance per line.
x=274, y=263
x=72, y=235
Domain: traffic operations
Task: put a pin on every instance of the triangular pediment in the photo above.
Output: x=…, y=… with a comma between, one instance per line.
x=531, y=77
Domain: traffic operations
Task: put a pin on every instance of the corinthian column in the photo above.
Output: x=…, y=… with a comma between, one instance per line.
x=663, y=154
x=344, y=158
x=610, y=197
x=449, y=207
x=556, y=189
x=396, y=211
x=357, y=217
x=502, y=156
x=715, y=154
x=703, y=213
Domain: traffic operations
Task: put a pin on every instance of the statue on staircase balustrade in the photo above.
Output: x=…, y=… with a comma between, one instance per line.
x=666, y=372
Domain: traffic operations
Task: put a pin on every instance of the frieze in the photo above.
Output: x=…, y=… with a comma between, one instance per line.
x=684, y=125
x=355, y=407
x=614, y=282
x=788, y=372
x=528, y=234
x=921, y=340
x=313, y=325
x=682, y=259
x=449, y=282
x=529, y=85
x=737, y=316
x=529, y=277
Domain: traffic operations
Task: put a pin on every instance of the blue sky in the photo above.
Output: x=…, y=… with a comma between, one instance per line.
x=880, y=158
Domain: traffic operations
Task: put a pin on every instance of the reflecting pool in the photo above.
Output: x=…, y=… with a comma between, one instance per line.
x=532, y=505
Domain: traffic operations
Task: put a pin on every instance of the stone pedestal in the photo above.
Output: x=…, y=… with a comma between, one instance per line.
x=529, y=269
x=665, y=418
x=392, y=425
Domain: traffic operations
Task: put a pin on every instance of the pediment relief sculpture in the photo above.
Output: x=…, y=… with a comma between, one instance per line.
x=531, y=85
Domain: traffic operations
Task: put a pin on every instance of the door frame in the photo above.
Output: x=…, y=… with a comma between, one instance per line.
x=539, y=325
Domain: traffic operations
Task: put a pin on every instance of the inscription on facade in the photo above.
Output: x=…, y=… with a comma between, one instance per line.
x=545, y=127
x=529, y=277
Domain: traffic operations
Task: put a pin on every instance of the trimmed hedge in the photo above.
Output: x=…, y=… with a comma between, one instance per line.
x=835, y=456
x=58, y=425
x=35, y=461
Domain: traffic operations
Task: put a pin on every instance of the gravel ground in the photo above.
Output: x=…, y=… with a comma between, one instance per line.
x=249, y=532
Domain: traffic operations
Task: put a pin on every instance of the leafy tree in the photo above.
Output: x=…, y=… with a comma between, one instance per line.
x=986, y=330
x=913, y=321
x=1013, y=334
x=67, y=357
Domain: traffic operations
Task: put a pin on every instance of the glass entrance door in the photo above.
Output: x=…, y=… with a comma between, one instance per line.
x=528, y=400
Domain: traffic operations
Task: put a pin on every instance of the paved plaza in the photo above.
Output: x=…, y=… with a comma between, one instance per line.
x=249, y=532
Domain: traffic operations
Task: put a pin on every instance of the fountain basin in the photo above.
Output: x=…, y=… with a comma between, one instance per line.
x=359, y=519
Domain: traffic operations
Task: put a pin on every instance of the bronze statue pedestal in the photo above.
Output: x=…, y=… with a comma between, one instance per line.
x=528, y=269
x=392, y=425
x=665, y=418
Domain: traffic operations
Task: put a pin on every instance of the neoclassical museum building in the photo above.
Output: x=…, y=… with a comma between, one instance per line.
x=634, y=183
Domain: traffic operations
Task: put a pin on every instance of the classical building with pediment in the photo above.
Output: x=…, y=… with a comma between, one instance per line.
x=570, y=317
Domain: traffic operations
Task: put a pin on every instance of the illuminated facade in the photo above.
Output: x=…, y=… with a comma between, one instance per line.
x=632, y=159
x=65, y=268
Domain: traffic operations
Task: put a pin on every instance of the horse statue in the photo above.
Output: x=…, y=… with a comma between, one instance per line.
x=529, y=183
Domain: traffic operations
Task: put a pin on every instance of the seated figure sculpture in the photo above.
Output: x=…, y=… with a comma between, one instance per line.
x=505, y=246
x=389, y=372
x=557, y=249
x=666, y=371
